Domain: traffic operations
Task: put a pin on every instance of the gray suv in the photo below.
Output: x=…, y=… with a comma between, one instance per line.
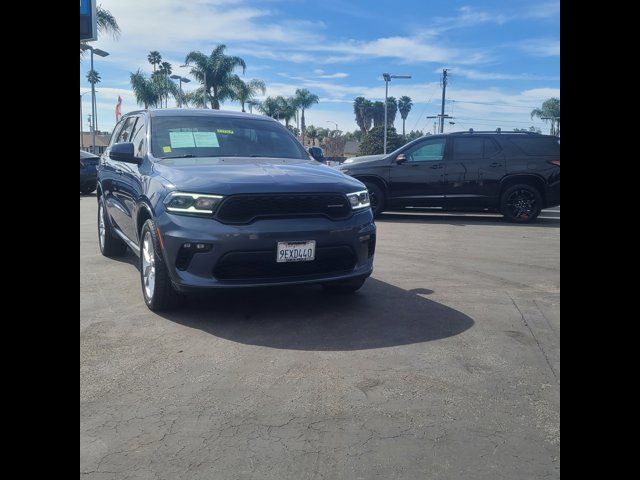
x=212, y=199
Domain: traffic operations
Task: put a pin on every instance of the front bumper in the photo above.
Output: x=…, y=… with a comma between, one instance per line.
x=260, y=236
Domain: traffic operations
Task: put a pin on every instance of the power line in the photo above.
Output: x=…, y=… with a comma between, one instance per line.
x=497, y=104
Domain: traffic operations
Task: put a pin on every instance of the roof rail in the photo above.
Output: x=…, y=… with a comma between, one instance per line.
x=498, y=130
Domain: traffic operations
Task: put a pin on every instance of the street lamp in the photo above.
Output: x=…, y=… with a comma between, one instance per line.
x=387, y=79
x=204, y=72
x=182, y=79
x=100, y=53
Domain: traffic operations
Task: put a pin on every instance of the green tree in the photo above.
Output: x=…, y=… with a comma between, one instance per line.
x=363, y=109
x=549, y=112
x=392, y=110
x=93, y=77
x=531, y=129
x=218, y=68
x=378, y=114
x=245, y=92
x=404, y=106
x=269, y=107
x=304, y=100
x=312, y=133
x=106, y=23
x=286, y=108
x=413, y=134
x=144, y=90
x=373, y=141
x=154, y=59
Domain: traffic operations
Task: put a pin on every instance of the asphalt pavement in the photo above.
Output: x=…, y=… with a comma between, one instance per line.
x=445, y=365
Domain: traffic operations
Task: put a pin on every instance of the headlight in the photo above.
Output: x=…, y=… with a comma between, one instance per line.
x=199, y=203
x=359, y=200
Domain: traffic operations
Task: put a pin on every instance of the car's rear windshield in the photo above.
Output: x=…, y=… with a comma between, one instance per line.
x=199, y=136
x=533, y=145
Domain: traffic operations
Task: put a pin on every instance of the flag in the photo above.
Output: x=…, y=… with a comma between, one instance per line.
x=118, y=114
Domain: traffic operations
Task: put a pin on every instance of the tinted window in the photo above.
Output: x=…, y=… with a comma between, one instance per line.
x=467, y=148
x=137, y=137
x=428, y=151
x=116, y=131
x=127, y=130
x=222, y=137
x=490, y=148
x=537, y=145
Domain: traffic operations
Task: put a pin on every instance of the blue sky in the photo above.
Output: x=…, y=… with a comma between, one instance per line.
x=503, y=56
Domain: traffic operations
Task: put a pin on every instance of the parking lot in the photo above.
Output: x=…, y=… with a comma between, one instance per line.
x=444, y=365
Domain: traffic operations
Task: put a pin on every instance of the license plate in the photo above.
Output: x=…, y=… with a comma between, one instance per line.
x=304, y=251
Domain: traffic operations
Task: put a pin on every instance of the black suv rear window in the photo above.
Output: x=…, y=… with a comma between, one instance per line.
x=531, y=145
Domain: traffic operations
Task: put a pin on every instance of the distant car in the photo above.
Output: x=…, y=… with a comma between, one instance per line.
x=516, y=174
x=88, y=173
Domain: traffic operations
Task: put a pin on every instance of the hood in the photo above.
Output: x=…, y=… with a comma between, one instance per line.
x=364, y=158
x=226, y=176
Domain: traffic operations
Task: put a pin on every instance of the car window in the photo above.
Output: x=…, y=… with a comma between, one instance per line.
x=221, y=136
x=468, y=148
x=137, y=138
x=537, y=145
x=427, y=151
x=116, y=131
x=490, y=148
x=127, y=130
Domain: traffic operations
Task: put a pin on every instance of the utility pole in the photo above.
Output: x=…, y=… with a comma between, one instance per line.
x=444, y=92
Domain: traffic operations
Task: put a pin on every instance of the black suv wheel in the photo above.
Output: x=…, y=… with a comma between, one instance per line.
x=376, y=197
x=521, y=203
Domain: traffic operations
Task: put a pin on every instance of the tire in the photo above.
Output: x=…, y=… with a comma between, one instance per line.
x=376, y=196
x=110, y=244
x=348, y=286
x=521, y=203
x=157, y=290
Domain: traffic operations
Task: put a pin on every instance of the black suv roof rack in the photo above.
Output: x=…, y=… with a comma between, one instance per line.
x=497, y=130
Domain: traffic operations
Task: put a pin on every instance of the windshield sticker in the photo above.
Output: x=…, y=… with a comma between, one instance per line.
x=181, y=139
x=206, y=139
x=166, y=149
x=226, y=132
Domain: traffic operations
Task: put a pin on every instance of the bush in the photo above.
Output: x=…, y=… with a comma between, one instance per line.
x=373, y=141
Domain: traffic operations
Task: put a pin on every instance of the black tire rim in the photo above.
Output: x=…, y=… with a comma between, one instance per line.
x=522, y=204
x=374, y=200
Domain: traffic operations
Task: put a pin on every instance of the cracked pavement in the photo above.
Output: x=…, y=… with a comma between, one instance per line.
x=444, y=365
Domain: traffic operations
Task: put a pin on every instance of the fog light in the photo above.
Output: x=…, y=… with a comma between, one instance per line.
x=187, y=245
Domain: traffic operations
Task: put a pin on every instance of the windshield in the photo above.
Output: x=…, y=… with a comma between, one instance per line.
x=199, y=136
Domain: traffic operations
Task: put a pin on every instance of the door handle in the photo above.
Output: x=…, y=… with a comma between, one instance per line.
x=495, y=164
x=436, y=166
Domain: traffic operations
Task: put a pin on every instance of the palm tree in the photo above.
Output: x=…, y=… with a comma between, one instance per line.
x=364, y=111
x=550, y=111
x=165, y=69
x=392, y=110
x=378, y=114
x=304, y=100
x=144, y=89
x=312, y=133
x=404, y=106
x=270, y=107
x=154, y=59
x=245, y=92
x=286, y=109
x=218, y=69
x=252, y=103
x=93, y=77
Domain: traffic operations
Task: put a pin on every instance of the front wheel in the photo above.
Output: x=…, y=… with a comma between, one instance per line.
x=376, y=197
x=157, y=290
x=521, y=203
x=348, y=286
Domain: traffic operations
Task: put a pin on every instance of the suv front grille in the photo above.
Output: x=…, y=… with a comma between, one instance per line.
x=262, y=265
x=246, y=208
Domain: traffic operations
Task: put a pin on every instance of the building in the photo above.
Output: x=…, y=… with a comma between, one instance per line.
x=351, y=148
x=102, y=141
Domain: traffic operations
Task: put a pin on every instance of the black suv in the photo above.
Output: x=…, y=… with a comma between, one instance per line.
x=517, y=174
x=210, y=199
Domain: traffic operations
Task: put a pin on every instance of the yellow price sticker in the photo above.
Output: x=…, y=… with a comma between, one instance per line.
x=227, y=132
x=166, y=149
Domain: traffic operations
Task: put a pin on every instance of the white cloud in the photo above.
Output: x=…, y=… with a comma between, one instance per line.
x=541, y=47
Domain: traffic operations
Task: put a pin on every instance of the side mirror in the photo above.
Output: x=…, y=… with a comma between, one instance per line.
x=401, y=158
x=123, y=152
x=317, y=153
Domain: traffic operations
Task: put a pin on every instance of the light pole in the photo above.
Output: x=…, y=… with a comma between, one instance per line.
x=81, y=125
x=330, y=121
x=100, y=53
x=387, y=78
x=181, y=79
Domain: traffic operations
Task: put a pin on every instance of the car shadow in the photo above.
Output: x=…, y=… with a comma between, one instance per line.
x=308, y=318
x=463, y=219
